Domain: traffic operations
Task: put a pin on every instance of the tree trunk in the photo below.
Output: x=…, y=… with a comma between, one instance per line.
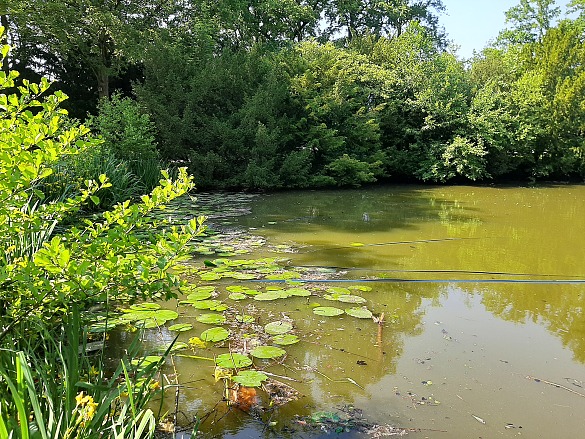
x=103, y=82
x=4, y=23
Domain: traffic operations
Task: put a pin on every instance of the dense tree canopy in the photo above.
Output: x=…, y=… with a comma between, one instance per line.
x=298, y=93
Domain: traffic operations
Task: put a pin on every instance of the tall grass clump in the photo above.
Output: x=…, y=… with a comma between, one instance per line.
x=50, y=275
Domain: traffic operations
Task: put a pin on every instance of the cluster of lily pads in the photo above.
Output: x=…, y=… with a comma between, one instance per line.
x=230, y=300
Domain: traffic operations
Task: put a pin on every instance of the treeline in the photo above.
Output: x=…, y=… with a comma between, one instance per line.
x=312, y=93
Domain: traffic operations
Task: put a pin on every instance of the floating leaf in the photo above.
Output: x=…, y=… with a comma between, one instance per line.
x=175, y=347
x=210, y=276
x=237, y=296
x=285, y=339
x=267, y=352
x=252, y=292
x=233, y=361
x=211, y=319
x=215, y=334
x=198, y=295
x=360, y=313
x=298, y=292
x=144, y=362
x=360, y=288
x=236, y=289
x=245, y=318
x=338, y=290
x=250, y=378
x=104, y=325
x=239, y=276
x=278, y=327
x=284, y=276
x=145, y=306
x=271, y=295
x=181, y=327
x=327, y=311
x=345, y=298
x=212, y=305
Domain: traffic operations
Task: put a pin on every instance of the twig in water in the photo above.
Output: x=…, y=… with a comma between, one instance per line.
x=559, y=386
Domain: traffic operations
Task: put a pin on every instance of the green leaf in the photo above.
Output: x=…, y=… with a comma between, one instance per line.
x=285, y=339
x=360, y=313
x=181, y=327
x=278, y=327
x=233, y=361
x=212, y=305
x=245, y=318
x=250, y=378
x=215, y=334
x=211, y=319
x=267, y=352
x=327, y=311
x=301, y=292
x=271, y=295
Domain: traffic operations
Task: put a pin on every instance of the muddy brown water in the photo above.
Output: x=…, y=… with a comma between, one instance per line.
x=472, y=345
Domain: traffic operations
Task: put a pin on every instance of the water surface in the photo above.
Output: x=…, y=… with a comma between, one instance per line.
x=457, y=357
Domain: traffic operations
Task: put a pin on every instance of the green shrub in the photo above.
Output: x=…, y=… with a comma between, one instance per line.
x=47, y=279
x=347, y=171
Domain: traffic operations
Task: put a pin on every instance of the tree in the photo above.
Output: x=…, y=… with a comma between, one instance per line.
x=530, y=20
x=103, y=35
x=389, y=18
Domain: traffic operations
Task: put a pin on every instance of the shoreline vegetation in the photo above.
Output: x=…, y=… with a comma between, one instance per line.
x=260, y=97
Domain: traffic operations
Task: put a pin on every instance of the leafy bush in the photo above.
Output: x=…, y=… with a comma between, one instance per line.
x=46, y=279
x=347, y=171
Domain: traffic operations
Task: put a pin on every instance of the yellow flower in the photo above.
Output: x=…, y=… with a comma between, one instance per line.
x=80, y=399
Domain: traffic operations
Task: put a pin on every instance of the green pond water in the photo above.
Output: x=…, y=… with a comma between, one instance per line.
x=471, y=346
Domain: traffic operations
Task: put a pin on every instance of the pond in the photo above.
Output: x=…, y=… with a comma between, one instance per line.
x=481, y=291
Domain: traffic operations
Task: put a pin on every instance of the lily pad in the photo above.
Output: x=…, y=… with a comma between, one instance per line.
x=270, y=295
x=144, y=362
x=252, y=292
x=338, y=290
x=301, y=292
x=233, y=361
x=345, y=298
x=284, y=276
x=364, y=288
x=238, y=296
x=145, y=306
x=327, y=311
x=181, y=327
x=245, y=318
x=278, y=327
x=210, y=276
x=360, y=313
x=285, y=339
x=215, y=334
x=211, y=319
x=103, y=326
x=267, y=352
x=212, y=305
x=176, y=347
x=250, y=378
x=198, y=295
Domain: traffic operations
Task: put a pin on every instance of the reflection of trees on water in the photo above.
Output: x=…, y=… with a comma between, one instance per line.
x=371, y=210
x=561, y=309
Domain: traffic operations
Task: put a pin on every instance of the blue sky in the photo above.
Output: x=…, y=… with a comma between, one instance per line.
x=472, y=23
